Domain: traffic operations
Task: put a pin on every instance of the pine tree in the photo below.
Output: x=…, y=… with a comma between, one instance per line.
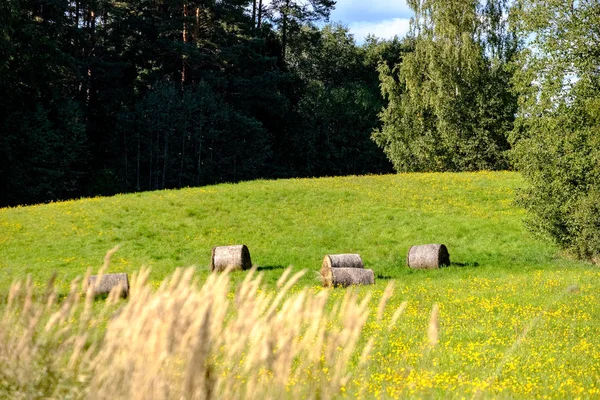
x=290, y=15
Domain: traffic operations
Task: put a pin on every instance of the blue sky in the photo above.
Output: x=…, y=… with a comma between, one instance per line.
x=383, y=18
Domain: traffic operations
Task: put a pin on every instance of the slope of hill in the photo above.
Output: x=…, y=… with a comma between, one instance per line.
x=288, y=222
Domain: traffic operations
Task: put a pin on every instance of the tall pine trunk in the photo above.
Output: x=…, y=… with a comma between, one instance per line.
x=126, y=161
x=137, y=181
x=260, y=9
x=165, y=160
x=284, y=37
x=199, y=165
x=197, y=27
x=151, y=166
x=92, y=24
x=182, y=157
x=184, y=67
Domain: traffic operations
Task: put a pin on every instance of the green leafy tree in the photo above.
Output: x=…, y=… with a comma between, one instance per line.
x=557, y=132
x=449, y=102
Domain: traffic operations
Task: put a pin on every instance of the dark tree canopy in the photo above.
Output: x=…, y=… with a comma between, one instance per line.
x=105, y=96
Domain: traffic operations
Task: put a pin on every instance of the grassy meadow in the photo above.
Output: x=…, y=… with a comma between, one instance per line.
x=516, y=318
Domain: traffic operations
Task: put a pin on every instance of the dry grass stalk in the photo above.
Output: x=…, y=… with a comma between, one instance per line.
x=397, y=314
x=434, y=326
x=387, y=293
x=43, y=353
x=181, y=341
x=364, y=356
x=177, y=343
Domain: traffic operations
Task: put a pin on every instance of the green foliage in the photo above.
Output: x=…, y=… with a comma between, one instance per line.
x=46, y=153
x=43, y=146
x=556, y=136
x=339, y=107
x=291, y=15
x=449, y=105
x=105, y=96
x=192, y=137
x=337, y=140
x=586, y=226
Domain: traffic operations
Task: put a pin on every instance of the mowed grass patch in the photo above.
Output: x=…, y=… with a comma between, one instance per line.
x=516, y=319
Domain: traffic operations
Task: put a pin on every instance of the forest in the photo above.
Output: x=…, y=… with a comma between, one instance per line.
x=99, y=97
x=102, y=97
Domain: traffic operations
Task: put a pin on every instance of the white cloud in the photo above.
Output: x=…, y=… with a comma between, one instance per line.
x=385, y=29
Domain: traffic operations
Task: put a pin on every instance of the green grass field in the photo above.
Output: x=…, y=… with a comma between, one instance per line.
x=517, y=319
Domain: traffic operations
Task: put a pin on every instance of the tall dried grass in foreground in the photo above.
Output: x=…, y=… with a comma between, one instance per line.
x=182, y=341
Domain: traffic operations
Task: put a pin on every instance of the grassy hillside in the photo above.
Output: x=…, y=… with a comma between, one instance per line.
x=516, y=318
x=288, y=222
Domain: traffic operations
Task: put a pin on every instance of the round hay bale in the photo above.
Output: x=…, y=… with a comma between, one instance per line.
x=108, y=282
x=347, y=277
x=342, y=261
x=237, y=257
x=428, y=256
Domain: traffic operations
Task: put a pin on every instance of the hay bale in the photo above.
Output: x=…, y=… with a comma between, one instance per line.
x=428, y=256
x=347, y=276
x=237, y=257
x=345, y=270
x=342, y=261
x=108, y=282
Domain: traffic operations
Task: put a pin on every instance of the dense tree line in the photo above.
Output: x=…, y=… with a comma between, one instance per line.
x=106, y=96
x=556, y=137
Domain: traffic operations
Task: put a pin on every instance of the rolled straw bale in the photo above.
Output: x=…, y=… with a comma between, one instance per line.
x=341, y=261
x=108, y=282
x=347, y=276
x=237, y=257
x=428, y=256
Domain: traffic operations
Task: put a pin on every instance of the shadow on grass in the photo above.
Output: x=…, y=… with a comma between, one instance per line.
x=269, y=267
x=467, y=264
